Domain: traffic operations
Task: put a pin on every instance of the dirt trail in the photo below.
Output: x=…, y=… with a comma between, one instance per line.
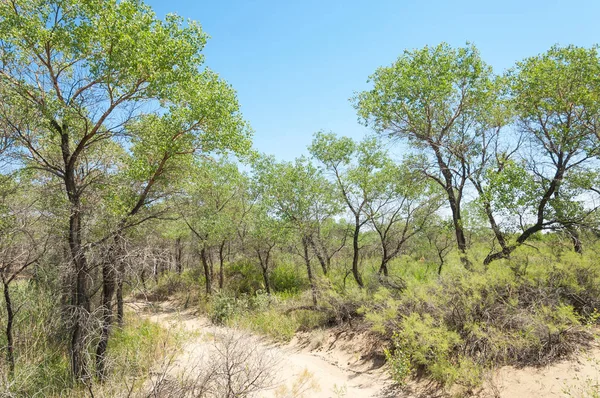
x=336, y=370
x=328, y=374
x=574, y=378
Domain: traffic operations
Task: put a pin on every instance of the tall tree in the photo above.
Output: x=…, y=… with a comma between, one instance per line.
x=354, y=168
x=81, y=75
x=300, y=196
x=556, y=96
x=434, y=98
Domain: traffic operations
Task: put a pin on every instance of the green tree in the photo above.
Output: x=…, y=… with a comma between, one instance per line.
x=401, y=208
x=355, y=169
x=265, y=233
x=300, y=196
x=213, y=204
x=436, y=99
x=86, y=76
x=556, y=97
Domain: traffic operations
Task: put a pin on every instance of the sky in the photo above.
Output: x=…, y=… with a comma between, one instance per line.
x=295, y=64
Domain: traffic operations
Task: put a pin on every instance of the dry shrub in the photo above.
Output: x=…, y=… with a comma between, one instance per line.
x=236, y=366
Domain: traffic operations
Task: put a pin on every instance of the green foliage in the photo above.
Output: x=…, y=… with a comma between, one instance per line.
x=398, y=362
x=243, y=277
x=288, y=278
x=280, y=326
x=439, y=81
x=41, y=366
x=170, y=283
x=222, y=308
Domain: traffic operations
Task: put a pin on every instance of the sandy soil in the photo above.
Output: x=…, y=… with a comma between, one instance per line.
x=574, y=378
x=328, y=364
x=324, y=372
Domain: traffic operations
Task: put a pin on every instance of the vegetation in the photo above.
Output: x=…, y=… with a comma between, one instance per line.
x=127, y=173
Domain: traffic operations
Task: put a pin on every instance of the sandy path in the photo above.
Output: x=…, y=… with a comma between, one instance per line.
x=574, y=378
x=326, y=375
x=338, y=372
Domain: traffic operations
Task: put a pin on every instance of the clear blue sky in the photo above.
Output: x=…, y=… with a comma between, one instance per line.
x=295, y=64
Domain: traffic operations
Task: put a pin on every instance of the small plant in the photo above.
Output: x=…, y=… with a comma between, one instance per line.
x=398, y=362
x=222, y=309
x=340, y=391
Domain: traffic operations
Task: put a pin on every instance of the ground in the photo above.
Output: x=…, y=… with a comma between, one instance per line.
x=338, y=363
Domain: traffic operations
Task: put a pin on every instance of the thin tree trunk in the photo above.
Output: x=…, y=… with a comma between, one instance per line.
x=109, y=282
x=207, y=274
x=319, y=255
x=577, y=246
x=79, y=300
x=221, y=262
x=454, y=202
x=355, y=237
x=10, y=316
x=264, y=265
x=120, y=313
x=541, y=210
x=309, y=271
x=178, y=256
x=211, y=264
x=383, y=269
x=108, y=289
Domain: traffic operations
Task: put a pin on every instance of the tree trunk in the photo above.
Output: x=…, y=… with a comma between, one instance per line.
x=120, y=279
x=265, y=274
x=211, y=264
x=221, y=261
x=541, y=210
x=461, y=241
x=454, y=202
x=178, y=256
x=207, y=274
x=383, y=269
x=108, y=289
x=110, y=270
x=355, y=237
x=491, y=219
x=319, y=255
x=10, y=316
x=79, y=300
x=577, y=246
x=313, y=287
x=264, y=265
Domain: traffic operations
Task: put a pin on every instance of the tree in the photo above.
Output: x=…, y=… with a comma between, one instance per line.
x=299, y=195
x=400, y=209
x=328, y=240
x=214, y=196
x=434, y=98
x=265, y=233
x=23, y=241
x=354, y=168
x=87, y=78
x=556, y=99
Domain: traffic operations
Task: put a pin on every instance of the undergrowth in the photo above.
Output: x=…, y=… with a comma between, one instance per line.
x=453, y=328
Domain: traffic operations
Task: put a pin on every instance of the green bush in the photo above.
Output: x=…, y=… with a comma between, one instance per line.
x=243, y=277
x=222, y=308
x=287, y=278
x=525, y=311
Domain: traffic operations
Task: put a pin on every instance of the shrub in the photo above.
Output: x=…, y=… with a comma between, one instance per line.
x=287, y=278
x=222, y=308
x=243, y=277
x=455, y=327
